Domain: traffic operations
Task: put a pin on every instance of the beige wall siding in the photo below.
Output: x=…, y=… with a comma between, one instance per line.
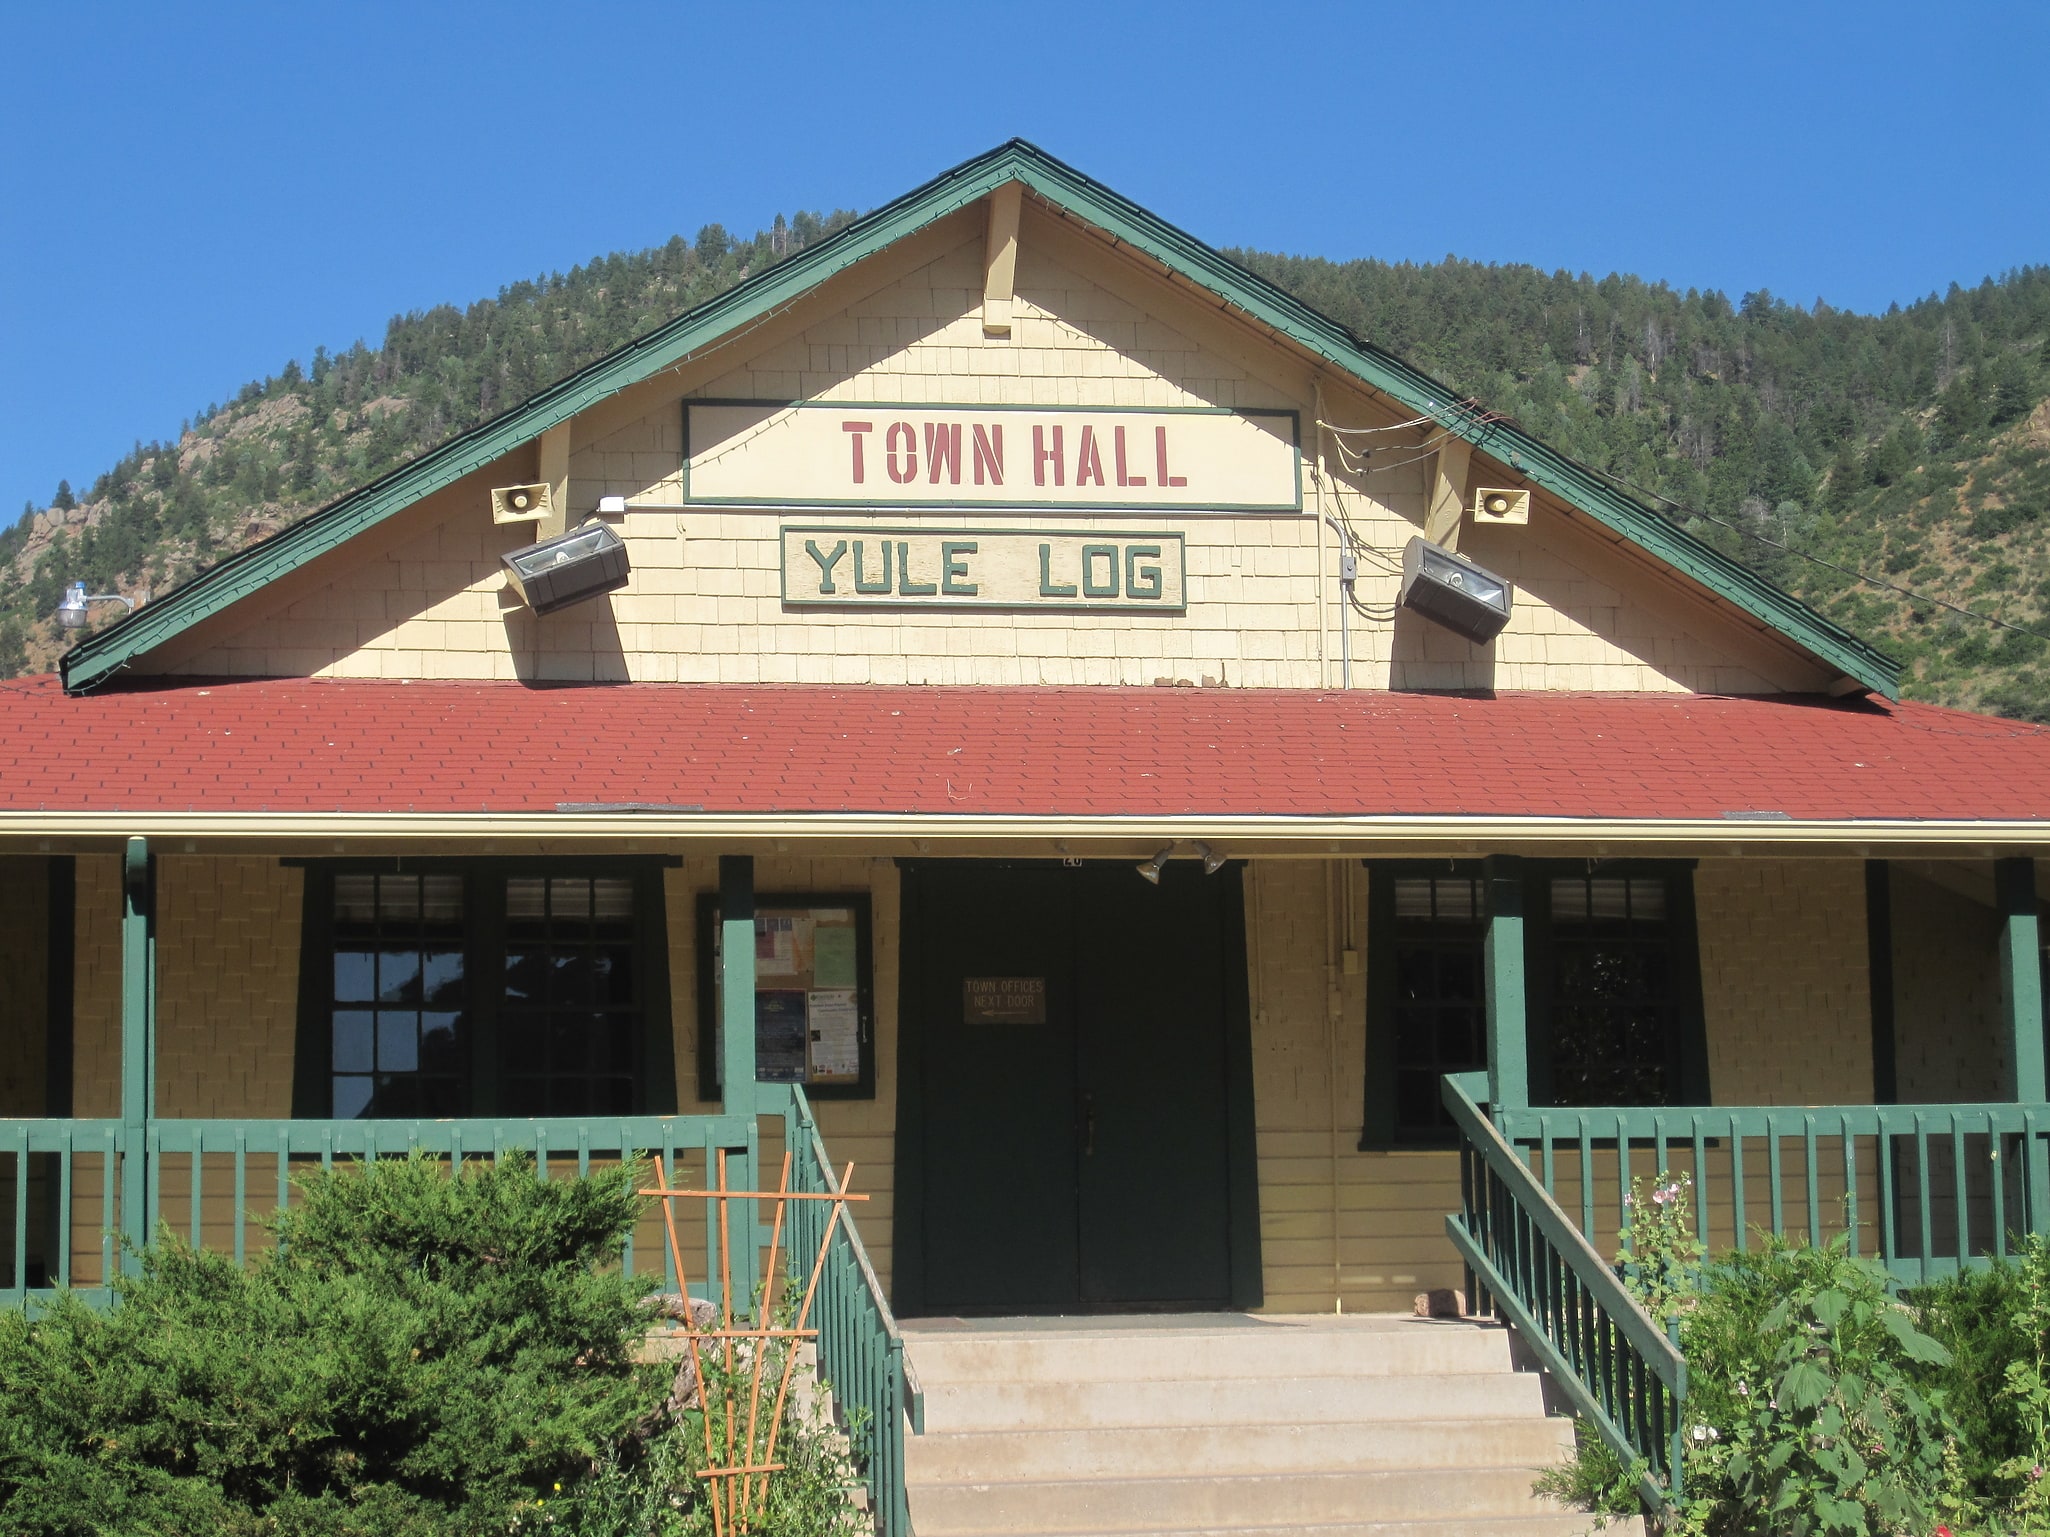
x=1785, y=983
x=228, y=985
x=423, y=595
x=24, y=983
x=1949, y=1018
x=1336, y=1224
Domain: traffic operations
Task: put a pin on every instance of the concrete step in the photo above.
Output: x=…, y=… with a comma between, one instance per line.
x=1263, y=1350
x=1162, y=1451
x=1549, y=1524
x=1194, y=1503
x=1081, y=1405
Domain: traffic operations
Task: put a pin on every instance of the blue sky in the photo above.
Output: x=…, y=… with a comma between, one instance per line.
x=190, y=195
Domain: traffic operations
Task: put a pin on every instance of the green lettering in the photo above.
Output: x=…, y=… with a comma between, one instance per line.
x=952, y=569
x=826, y=563
x=1108, y=587
x=861, y=582
x=906, y=588
x=1141, y=581
x=1048, y=588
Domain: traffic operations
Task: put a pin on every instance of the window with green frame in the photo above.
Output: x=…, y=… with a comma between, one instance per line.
x=444, y=988
x=1613, y=982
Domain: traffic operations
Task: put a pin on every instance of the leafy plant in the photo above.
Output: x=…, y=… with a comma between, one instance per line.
x=1809, y=1399
x=1660, y=1259
x=1595, y=1480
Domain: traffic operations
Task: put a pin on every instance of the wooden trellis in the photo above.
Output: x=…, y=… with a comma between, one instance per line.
x=737, y=1482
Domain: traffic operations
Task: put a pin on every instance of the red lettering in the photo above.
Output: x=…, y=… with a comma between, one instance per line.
x=906, y=468
x=989, y=453
x=1088, y=463
x=857, y=429
x=1124, y=477
x=943, y=450
x=1160, y=459
x=1042, y=456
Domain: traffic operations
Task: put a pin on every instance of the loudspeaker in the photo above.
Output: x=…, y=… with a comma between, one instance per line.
x=520, y=504
x=1496, y=506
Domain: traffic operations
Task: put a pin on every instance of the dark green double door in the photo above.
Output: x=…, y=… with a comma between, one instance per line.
x=1080, y=1128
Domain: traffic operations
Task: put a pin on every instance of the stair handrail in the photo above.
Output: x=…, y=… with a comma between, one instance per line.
x=1527, y=1261
x=874, y=1371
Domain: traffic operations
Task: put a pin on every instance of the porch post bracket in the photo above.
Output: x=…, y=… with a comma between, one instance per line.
x=138, y=1057
x=1508, y=1013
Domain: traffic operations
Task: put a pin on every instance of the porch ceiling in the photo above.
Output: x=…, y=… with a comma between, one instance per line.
x=1272, y=766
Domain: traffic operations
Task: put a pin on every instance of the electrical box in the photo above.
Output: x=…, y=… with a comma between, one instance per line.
x=570, y=568
x=1499, y=506
x=1452, y=591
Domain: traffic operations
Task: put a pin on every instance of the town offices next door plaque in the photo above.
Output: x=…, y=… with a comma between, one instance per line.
x=1073, y=1072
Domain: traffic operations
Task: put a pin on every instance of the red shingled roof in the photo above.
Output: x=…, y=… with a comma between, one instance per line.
x=361, y=746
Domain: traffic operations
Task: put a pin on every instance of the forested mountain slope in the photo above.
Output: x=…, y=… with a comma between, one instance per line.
x=1912, y=447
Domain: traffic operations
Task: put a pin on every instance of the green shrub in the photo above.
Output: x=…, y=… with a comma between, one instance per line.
x=422, y=1354
x=1995, y=1322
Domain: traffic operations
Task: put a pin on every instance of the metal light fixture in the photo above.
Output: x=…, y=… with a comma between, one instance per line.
x=1150, y=870
x=72, y=612
x=570, y=568
x=1212, y=860
x=1451, y=590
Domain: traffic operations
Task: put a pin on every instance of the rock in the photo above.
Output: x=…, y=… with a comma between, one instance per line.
x=1441, y=1302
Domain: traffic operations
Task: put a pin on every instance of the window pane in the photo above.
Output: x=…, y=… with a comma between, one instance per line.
x=612, y=899
x=441, y=978
x=355, y=976
x=526, y=898
x=398, y=1041
x=352, y=1036
x=569, y=899
x=398, y=898
x=352, y=1097
x=398, y=976
x=355, y=899
x=441, y=899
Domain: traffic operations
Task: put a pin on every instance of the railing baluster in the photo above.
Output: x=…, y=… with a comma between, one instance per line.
x=1775, y=1172
x=241, y=1194
x=1995, y=1136
x=20, y=1286
x=198, y=1187
x=1700, y=1183
x=1928, y=1251
x=1958, y=1192
x=1850, y=1183
x=67, y=1155
x=107, y=1206
x=1814, y=1185
x=1737, y=1221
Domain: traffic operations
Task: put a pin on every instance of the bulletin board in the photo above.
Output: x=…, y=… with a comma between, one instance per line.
x=814, y=994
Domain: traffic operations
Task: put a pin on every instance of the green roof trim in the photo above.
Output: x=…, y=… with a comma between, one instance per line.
x=96, y=660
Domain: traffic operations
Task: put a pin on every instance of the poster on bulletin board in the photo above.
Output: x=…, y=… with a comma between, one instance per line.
x=814, y=1004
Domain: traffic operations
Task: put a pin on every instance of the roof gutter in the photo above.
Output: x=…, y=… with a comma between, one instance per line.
x=1042, y=836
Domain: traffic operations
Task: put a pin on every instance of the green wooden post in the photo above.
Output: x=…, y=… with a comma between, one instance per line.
x=2021, y=987
x=2021, y=975
x=737, y=1087
x=1508, y=1014
x=138, y=1029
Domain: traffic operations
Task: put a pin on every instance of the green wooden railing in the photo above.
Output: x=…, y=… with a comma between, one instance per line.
x=861, y=1354
x=1529, y=1265
x=1923, y=1188
x=64, y=1219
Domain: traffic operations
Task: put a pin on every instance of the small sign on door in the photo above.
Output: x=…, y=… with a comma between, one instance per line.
x=1003, y=1000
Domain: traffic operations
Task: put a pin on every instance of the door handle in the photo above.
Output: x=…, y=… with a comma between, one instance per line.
x=1088, y=1125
